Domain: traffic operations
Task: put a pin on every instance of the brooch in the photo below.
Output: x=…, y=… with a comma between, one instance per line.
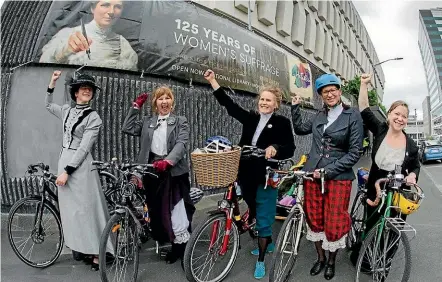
x=269, y=126
x=171, y=120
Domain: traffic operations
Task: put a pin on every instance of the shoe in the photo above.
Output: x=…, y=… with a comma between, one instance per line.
x=94, y=266
x=260, y=270
x=176, y=253
x=329, y=272
x=87, y=259
x=270, y=249
x=77, y=255
x=317, y=268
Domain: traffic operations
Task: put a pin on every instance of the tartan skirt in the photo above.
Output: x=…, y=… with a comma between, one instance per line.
x=328, y=214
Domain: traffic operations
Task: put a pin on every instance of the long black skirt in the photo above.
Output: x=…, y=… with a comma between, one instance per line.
x=162, y=194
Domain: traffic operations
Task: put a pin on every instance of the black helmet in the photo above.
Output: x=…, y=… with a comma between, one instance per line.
x=79, y=80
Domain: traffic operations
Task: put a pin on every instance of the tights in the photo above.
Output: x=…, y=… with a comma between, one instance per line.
x=321, y=254
x=263, y=242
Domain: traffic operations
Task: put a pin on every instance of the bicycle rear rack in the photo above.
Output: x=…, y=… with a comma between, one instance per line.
x=400, y=226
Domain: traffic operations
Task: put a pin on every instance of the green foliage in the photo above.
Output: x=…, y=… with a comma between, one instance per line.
x=352, y=88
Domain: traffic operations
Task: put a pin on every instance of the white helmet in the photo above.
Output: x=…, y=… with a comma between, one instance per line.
x=196, y=195
x=217, y=144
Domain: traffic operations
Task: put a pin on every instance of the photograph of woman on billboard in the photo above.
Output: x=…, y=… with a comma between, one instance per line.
x=107, y=48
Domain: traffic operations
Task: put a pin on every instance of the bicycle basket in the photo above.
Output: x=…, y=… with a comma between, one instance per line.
x=216, y=169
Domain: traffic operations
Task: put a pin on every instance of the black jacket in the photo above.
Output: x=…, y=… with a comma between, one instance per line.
x=337, y=148
x=277, y=133
x=379, y=130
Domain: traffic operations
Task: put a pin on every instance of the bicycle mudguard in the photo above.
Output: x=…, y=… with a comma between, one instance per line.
x=213, y=212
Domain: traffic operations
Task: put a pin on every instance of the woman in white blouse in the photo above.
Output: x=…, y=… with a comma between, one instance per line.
x=163, y=142
x=107, y=49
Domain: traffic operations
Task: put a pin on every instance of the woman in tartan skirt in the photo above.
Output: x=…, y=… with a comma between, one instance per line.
x=337, y=139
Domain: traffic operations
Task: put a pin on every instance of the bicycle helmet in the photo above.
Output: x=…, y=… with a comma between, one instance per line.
x=196, y=195
x=78, y=81
x=216, y=144
x=408, y=202
x=326, y=80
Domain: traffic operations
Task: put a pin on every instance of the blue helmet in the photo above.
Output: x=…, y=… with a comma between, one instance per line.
x=326, y=80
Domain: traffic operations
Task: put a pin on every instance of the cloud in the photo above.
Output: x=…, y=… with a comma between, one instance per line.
x=393, y=28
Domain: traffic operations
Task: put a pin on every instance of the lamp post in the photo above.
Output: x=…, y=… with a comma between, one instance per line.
x=392, y=59
x=417, y=128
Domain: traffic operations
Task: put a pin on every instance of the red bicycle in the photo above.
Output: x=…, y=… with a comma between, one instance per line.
x=213, y=247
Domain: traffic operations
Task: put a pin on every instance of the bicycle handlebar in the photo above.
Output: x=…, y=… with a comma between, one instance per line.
x=399, y=180
x=255, y=152
x=33, y=168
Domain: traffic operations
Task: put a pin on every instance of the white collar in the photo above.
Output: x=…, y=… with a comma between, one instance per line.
x=94, y=27
x=163, y=117
x=266, y=116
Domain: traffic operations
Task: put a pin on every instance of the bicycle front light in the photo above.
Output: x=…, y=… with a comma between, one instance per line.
x=223, y=204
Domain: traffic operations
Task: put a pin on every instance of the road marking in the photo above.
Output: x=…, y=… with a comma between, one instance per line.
x=432, y=179
x=433, y=166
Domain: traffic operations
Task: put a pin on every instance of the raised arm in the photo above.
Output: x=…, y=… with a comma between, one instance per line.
x=300, y=128
x=363, y=92
x=132, y=125
x=53, y=108
x=370, y=120
x=233, y=109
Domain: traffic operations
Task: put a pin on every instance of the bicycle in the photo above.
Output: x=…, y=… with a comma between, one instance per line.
x=127, y=228
x=357, y=210
x=223, y=232
x=293, y=227
x=30, y=220
x=111, y=185
x=385, y=241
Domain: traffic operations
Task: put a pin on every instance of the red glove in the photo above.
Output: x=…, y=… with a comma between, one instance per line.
x=140, y=100
x=162, y=165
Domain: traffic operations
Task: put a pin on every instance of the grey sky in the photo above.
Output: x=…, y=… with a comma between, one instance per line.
x=393, y=27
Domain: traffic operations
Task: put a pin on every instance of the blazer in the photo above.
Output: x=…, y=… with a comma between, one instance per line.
x=379, y=130
x=336, y=149
x=177, y=138
x=277, y=133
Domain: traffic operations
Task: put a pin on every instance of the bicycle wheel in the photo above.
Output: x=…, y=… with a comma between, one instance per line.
x=203, y=258
x=357, y=219
x=287, y=246
x=386, y=258
x=36, y=245
x=121, y=232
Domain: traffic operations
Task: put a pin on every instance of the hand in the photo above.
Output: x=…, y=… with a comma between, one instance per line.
x=140, y=100
x=55, y=76
x=316, y=174
x=270, y=152
x=411, y=178
x=62, y=179
x=296, y=99
x=162, y=165
x=209, y=75
x=365, y=78
x=77, y=42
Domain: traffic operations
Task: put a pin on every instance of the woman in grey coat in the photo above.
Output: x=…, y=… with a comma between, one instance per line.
x=164, y=140
x=83, y=208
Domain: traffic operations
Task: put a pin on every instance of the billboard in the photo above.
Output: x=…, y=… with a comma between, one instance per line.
x=169, y=38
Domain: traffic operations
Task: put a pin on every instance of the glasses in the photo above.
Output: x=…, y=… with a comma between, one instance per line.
x=331, y=91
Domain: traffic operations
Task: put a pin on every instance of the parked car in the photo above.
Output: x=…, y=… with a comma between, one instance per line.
x=430, y=150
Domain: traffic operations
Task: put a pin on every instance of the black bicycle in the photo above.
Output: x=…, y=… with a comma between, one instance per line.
x=127, y=228
x=34, y=225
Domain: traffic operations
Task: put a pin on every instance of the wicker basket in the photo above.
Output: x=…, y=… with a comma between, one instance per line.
x=216, y=169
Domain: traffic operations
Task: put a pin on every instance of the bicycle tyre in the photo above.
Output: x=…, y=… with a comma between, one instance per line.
x=285, y=231
x=365, y=246
x=103, y=247
x=48, y=206
x=194, y=239
x=356, y=218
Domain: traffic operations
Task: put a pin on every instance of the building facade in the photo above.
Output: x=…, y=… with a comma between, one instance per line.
x=328, y=35
x=427, y=120
x=415, y=128
x=430, y=45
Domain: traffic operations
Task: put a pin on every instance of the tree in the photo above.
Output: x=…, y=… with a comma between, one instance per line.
x=352, y=88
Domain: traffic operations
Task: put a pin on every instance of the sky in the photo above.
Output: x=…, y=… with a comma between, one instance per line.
x=393, y=28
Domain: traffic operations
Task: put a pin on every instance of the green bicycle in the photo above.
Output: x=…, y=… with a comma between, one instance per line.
x=385, y=251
